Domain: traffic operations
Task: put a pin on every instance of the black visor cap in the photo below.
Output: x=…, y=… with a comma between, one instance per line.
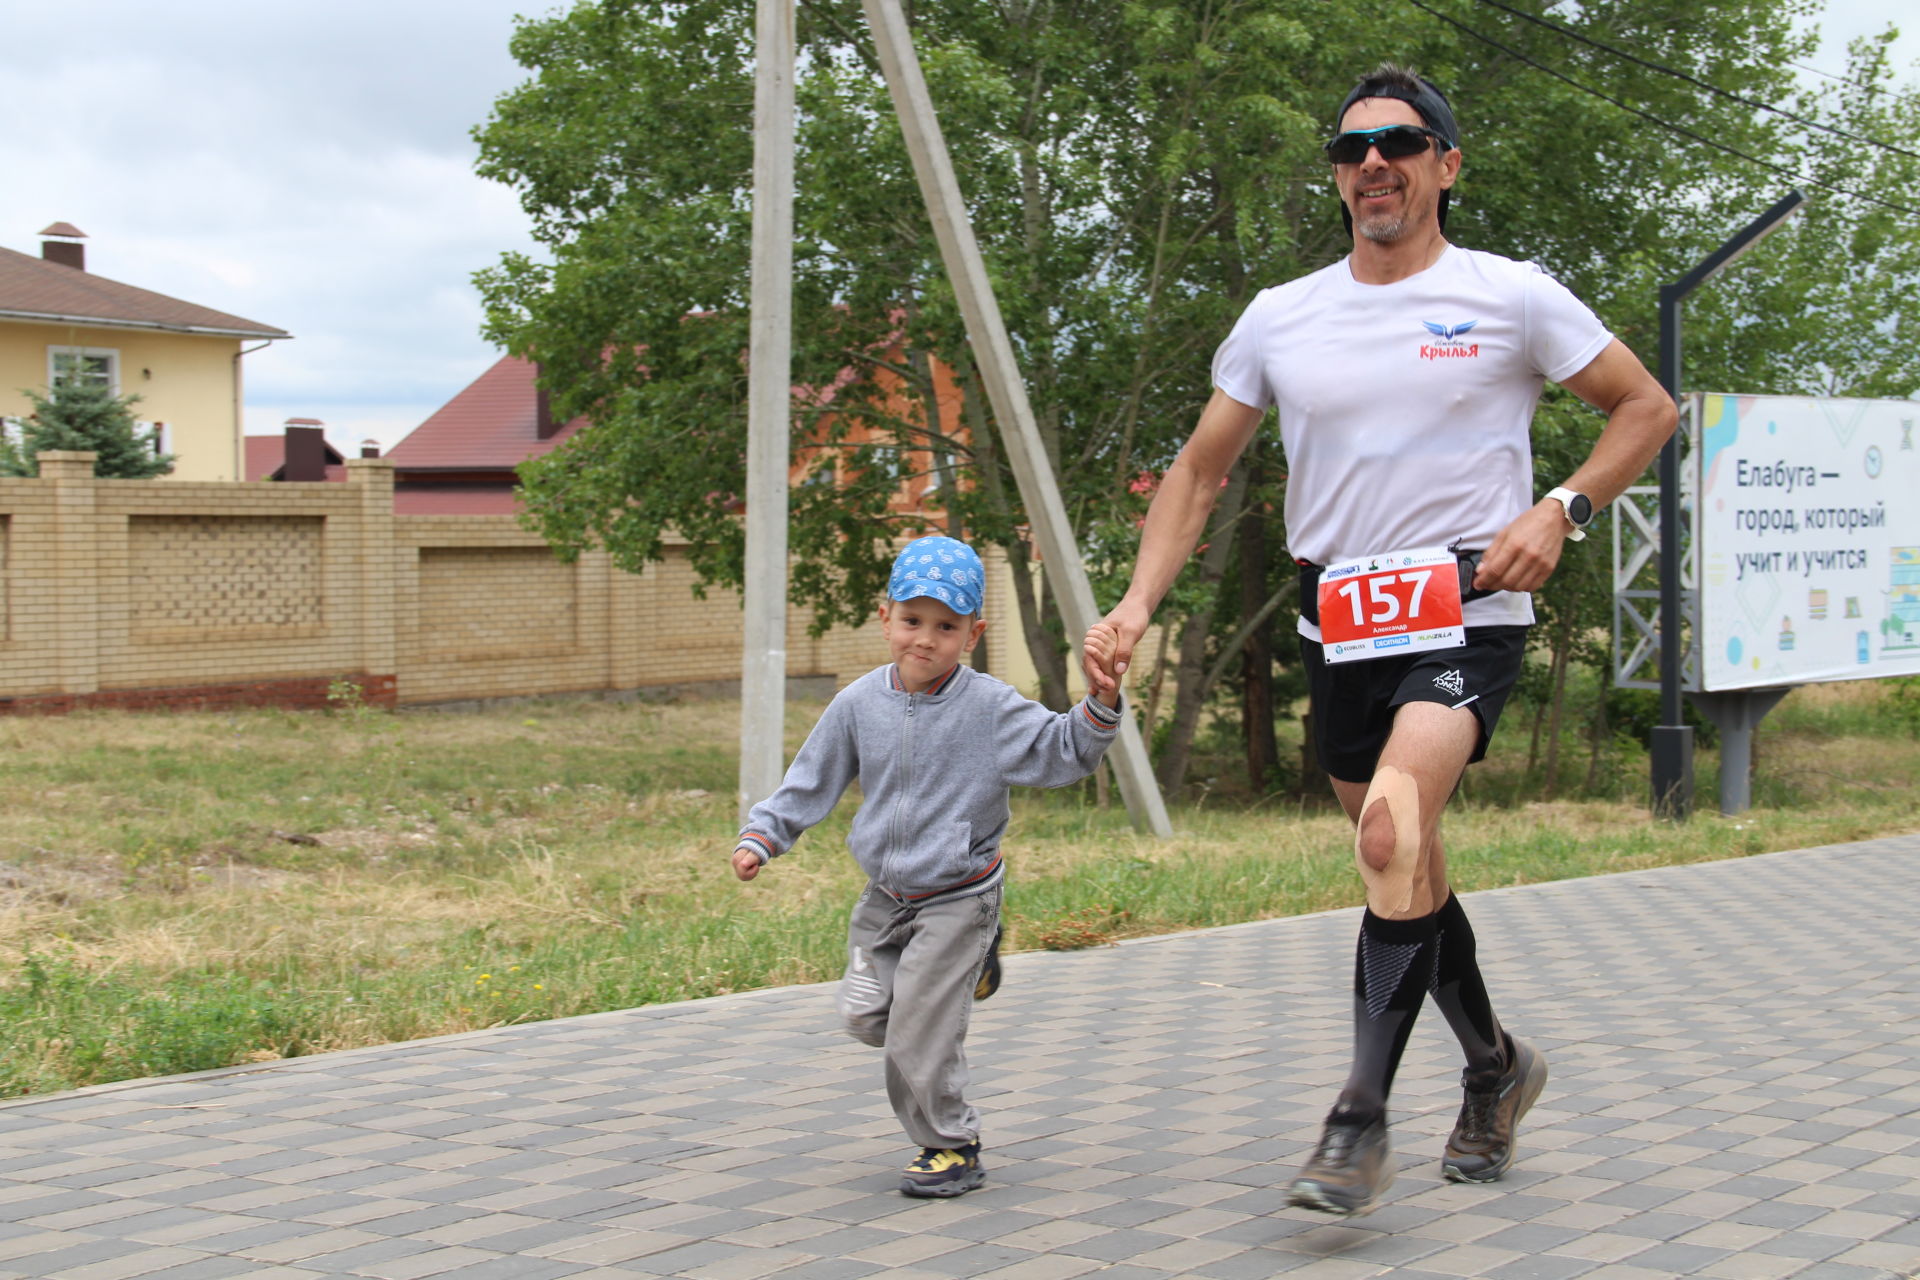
x=1429, y=102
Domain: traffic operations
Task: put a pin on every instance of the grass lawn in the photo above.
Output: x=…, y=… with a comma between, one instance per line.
x=179, y=892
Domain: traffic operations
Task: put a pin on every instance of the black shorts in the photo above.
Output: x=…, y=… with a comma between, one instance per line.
x=1353, y=702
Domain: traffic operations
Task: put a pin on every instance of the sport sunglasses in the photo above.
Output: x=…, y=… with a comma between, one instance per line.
x=1395, y=141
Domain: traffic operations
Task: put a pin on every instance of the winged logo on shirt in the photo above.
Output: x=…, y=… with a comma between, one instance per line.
x=1448, y=332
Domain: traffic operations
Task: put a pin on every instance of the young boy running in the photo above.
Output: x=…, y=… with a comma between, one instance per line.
x=935, y=745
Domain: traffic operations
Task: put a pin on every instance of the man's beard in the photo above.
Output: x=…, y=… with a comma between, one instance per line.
x=1381, y=228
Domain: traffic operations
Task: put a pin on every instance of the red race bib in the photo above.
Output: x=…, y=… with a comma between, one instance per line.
x=1393, y=603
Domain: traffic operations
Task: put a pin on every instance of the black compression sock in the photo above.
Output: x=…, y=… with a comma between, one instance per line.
x=1393, y=966
x=1461, y=993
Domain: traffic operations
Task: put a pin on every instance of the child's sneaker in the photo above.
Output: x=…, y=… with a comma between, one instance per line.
x=990, y=971
x=941, y=1173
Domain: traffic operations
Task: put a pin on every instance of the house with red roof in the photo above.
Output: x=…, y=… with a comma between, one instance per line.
x=59, y=321
x=461, y=460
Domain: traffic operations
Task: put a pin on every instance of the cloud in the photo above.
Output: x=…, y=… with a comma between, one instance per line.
x=305, y=166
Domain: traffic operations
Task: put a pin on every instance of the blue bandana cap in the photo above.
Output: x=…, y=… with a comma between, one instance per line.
x=940, y=568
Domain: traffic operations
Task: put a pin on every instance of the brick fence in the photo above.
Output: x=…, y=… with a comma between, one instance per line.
x=134, y=594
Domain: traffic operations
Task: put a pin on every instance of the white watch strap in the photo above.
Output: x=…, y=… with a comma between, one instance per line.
x=1565, y=498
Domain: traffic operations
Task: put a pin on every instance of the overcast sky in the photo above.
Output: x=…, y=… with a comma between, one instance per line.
x=309, y=166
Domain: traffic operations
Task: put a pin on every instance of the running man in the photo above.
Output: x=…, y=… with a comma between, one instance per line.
x=1405, y=377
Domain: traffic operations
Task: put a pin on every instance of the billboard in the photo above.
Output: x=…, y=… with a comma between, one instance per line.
x=1808, y=536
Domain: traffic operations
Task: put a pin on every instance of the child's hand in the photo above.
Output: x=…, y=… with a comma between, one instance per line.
x=1098, y=656
x=746, y=863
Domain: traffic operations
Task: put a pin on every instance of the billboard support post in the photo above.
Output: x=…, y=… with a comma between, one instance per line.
x=1736, y=713
x=1672, y=741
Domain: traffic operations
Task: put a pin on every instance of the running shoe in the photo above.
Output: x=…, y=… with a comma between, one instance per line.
x=1481, y=1146
x=938, y=1172
x=1349, y=1171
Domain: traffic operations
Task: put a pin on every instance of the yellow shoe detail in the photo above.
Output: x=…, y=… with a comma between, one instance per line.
x=931, y=1161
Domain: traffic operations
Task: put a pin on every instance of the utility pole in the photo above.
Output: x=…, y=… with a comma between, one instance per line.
x=763, y=657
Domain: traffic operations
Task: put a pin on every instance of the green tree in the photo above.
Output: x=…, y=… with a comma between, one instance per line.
x=88, y=416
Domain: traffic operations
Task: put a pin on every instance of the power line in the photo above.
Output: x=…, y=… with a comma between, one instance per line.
x=1571, y=34
x=1861, y=85
x=1664, y=124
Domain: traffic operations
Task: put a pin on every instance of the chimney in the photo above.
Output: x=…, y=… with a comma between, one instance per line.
x=543, y=424
x=306, y=450
x=369, y=448
x=67, y=249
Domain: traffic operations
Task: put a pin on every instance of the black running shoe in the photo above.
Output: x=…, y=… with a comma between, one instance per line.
x=939, y=1173
x=1480, y=1149
x=1349, y=1171
x=990, y=971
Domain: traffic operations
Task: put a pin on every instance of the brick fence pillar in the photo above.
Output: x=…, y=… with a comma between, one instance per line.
x=76, y=567
x=372, y=479
x=626, y=622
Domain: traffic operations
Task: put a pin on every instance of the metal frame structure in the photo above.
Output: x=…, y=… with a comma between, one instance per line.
x=1637, y=595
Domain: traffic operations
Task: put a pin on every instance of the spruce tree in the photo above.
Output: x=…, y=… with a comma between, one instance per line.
x=86, y=415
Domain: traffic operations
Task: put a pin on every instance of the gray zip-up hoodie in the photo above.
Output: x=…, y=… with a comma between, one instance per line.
x=935, y=768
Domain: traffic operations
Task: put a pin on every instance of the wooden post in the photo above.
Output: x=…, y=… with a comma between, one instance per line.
x=993, y=350
x=763, y=658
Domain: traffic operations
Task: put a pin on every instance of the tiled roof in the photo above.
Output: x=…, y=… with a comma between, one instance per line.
x=492, y=425
x=35, y=289
x=264, y=455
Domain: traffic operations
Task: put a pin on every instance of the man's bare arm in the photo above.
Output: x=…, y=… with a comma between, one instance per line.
x=1640, y=417
x=1175, y=520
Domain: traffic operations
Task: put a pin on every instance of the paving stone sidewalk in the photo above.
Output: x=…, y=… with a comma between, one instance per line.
x=1735, y=1051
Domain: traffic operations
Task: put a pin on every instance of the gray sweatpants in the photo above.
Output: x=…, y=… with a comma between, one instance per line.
x=909, y=989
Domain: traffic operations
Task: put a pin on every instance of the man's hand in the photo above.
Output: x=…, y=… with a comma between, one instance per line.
x=1108, y=649
x=746, y=863
x=1525, y=553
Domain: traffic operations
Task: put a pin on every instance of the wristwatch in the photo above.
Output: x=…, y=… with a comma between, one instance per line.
x=1579, y=509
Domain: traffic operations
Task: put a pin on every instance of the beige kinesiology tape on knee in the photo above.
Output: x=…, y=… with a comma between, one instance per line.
x=1390, y=888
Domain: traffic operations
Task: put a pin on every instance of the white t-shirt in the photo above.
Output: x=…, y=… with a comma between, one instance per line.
x=1406, y=408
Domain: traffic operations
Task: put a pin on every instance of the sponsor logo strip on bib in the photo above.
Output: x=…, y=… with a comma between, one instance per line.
x=1396, y=602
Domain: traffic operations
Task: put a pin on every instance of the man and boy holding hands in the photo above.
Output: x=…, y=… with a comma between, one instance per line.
x=1408, y=444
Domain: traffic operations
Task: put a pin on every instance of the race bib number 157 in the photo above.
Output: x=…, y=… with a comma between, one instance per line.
x=1393, y=603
